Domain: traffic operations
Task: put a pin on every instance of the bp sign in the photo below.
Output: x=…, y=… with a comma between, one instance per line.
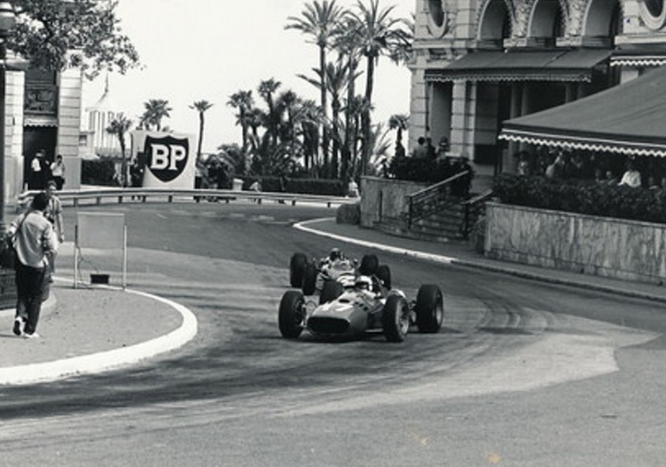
x=165, y=157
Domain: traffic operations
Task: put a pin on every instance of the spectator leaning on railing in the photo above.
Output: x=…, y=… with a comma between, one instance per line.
x=631, y=177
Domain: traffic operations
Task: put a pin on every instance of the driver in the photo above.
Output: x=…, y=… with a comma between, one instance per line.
x=364, y=286
x=335, y=255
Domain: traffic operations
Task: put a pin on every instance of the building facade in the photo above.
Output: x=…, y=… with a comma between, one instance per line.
x=43, y=113
x=479, y=63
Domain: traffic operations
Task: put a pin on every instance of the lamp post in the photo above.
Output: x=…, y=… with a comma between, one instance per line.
x=7, y=20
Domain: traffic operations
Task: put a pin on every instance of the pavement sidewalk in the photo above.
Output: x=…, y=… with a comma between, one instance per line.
x=94, y=329
x=89, y=330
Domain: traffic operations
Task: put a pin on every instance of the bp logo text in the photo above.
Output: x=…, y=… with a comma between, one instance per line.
x=166, y=157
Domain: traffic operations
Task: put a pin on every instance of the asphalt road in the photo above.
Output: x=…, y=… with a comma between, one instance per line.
x=523, y=373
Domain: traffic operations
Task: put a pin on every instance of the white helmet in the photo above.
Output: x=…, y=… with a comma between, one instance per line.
x=363, y=283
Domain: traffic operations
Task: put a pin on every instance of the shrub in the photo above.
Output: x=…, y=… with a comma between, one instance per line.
x=98, y=172
x=583, y=197
x=348, y=214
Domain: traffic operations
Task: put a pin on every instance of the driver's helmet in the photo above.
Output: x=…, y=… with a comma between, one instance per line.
x=363, y=283
x=335, y=254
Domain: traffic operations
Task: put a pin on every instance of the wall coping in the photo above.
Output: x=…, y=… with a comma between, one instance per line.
x=615, y=220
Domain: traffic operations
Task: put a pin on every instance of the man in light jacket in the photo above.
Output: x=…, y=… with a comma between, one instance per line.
x=35, y=245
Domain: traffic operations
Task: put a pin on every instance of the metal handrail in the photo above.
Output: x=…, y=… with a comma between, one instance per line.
x=142, y=194
x=434, y=195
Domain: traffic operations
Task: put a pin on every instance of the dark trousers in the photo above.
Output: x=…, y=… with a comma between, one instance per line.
x=30, y=285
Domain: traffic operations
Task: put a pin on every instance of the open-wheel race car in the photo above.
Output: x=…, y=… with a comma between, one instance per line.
x=311, y=275
x=366, y=307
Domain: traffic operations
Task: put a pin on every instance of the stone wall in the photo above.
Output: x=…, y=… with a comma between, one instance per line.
x=588, y=244
x=384, y=198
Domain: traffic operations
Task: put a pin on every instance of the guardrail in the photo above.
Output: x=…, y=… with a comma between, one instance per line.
x=169, y=195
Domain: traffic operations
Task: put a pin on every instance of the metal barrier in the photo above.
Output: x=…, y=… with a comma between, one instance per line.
x=76, y=197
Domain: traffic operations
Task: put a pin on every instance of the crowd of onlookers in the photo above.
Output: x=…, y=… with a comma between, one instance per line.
x=601, y=168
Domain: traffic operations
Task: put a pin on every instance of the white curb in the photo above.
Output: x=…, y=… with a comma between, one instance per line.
x=104, y=361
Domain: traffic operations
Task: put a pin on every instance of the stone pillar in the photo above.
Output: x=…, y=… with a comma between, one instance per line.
x=70, y=105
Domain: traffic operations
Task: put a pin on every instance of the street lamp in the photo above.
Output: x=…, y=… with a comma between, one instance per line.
x=7, y=21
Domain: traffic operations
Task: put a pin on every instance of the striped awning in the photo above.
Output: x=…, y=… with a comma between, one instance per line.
x=627, y=119
x=576, y=65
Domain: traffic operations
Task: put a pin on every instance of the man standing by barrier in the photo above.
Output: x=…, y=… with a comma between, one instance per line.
x=35, y=245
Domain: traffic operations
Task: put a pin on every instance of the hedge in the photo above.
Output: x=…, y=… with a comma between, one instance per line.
x=620, y=202
x=99, y=172
x=309, y=186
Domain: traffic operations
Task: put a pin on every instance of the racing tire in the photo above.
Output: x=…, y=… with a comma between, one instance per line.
x=384, y=275
x=309, y=285
x=296, y=269
x=291, y=318
x=429, y=309
x=369, y=265
x=330, y=291
x=395, y=318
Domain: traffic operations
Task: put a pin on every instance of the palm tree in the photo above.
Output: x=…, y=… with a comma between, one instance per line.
x=201, y=107
x=336, y=81
x=267, y=89
x=118, y=127
x=400, y=123
x=243, y=101
x=287, y=103
x=155, y=111
x=319, y=20
x=379, y=34
x=348, y=44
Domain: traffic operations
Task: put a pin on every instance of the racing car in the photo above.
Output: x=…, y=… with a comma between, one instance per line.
x=366, y=307
x=311, y=275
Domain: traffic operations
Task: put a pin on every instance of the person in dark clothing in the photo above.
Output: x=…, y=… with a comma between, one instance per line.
x=36, y=244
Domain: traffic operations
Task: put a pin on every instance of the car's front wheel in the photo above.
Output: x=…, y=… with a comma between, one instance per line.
x=429, y=309
x=395, y=318
x=292, y=314
x=309, y=285
x=296, y=268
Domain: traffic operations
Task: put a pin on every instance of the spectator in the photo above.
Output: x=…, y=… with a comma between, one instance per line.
x=653, y=184
x=443, y=147
x=420, y=151
x=631, y=177
x=523, y=164
x=352, y=189
x=58, y=172
x=53, y=211
x=555, y=169
x=431, y=152
x=35, y=244
x=610, y=179
x=39, y=169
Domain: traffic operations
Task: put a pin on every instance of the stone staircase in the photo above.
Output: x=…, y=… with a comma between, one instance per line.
x=444, y=226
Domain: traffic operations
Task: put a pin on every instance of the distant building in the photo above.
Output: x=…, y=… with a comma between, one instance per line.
x=481, y=62
x=97, y=141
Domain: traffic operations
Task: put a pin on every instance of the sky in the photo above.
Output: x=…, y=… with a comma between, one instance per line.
x=194, y=50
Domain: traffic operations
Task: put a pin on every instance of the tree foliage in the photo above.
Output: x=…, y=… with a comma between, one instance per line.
x=57, y=34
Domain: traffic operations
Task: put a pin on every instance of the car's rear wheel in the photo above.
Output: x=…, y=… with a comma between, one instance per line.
x=369, y=265
x=395, y=318
x=384, y=275
x=330, y=291
x=429, y=309
x=309, y=278
x=296, y=268
x=291, y=318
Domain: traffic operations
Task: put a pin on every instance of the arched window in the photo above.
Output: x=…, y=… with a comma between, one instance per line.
x=495, y=23
x=603, y=19
x=547, y=21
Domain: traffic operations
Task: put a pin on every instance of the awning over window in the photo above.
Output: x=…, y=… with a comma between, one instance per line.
x=638, y=59
x=627, y=119
x=523, y=65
